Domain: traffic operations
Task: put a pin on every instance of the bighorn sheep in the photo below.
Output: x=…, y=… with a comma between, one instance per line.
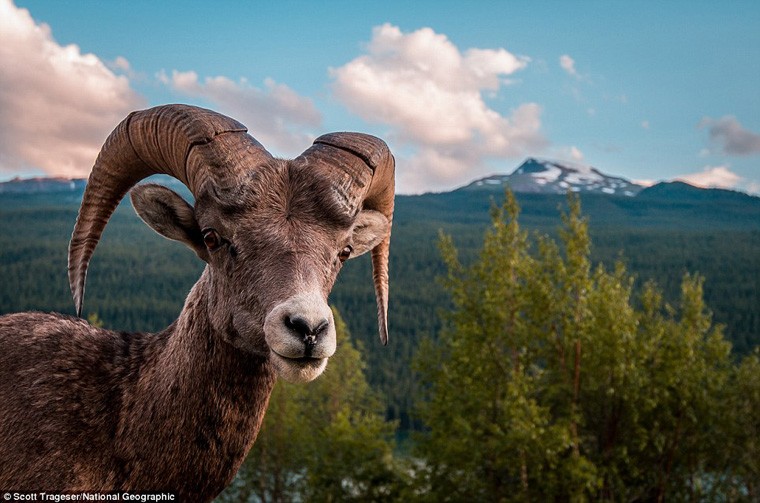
x=82, y=408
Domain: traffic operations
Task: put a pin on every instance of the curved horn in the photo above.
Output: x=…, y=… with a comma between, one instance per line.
x=177, y=140
x=365, y=171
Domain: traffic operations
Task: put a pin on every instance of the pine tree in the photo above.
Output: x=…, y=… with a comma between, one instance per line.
x=492, y=436
x=552, y=381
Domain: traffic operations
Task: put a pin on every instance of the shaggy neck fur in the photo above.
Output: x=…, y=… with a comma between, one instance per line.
x=175, y=411
x=198, y=396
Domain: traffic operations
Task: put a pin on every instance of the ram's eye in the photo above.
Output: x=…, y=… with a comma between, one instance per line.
x=345, y=253
x=211, y=239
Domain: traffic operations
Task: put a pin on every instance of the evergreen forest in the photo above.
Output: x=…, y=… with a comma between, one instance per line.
x=538, y=350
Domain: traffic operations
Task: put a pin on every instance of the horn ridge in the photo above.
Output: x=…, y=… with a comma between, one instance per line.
x=347, y=156
x=368, y=148
x=147, y=142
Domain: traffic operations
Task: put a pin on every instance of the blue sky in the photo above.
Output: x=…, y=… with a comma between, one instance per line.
x=646, y=90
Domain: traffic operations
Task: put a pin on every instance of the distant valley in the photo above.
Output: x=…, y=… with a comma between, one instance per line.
x=139, y=280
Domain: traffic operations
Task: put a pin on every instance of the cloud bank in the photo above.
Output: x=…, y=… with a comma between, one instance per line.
x=58, y=105
x=731, y=136
x=713, y=177
x=277, y=116
x=430, y=95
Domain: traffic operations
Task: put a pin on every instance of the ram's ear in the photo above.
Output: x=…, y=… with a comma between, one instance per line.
x=168, y=214
x=370, y=228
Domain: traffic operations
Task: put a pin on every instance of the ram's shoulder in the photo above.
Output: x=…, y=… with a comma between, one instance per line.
x=28, y=337
x=34, y=327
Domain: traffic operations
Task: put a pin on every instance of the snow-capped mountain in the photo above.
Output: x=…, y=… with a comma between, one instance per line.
x=39, y=185
x=558, y=177
x=56, y=184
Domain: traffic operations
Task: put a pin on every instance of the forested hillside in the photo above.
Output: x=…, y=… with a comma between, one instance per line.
x=138, y=280
x=554, y=380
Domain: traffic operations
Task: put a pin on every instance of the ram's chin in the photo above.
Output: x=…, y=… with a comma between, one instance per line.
x=298, y=370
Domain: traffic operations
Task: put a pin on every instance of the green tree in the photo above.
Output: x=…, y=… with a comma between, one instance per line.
x=94, y=320
x=323, y=441
x=552, y=381
x=492, y=436
x=741, y=432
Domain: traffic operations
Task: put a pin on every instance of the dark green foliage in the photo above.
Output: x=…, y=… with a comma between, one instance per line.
x=551, y=382
x=658, y=406
x=138, y=280
x=740, y=459
x=133, y=266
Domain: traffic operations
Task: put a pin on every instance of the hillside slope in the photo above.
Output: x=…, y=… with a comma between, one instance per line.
x=138, y=280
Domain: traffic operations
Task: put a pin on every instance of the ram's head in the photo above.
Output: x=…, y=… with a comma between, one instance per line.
x=273, y=232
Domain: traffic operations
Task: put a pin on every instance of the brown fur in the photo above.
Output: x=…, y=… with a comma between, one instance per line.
x=83, y=408
x=91, y=409
x=87, y=408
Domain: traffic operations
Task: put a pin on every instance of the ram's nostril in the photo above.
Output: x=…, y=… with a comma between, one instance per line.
x=322, y=327
x=304, y=329
x=298, y=325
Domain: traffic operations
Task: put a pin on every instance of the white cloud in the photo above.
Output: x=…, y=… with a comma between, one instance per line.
x=432, y=169
x=58, y=105
x=571, y=153
x=276, y=115
x=568, y=64
x=122, y=64
x=713, y=177
x=431, y=96
x=733, y=138
x=576, y=154
x=645, y=182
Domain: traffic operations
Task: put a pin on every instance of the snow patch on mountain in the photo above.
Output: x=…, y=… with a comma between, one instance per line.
x=559, y=177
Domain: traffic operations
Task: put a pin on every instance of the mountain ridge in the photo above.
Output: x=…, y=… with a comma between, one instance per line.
x=661, y=233
x=42, y=184
x=544, y=176
x=532, y=176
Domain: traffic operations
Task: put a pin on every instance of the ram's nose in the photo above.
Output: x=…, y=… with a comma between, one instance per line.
x=301, y=327
x=300, y=333
x=308, y=332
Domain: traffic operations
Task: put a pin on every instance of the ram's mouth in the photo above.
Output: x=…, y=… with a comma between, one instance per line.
x=302, y=361
x=300, y=369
